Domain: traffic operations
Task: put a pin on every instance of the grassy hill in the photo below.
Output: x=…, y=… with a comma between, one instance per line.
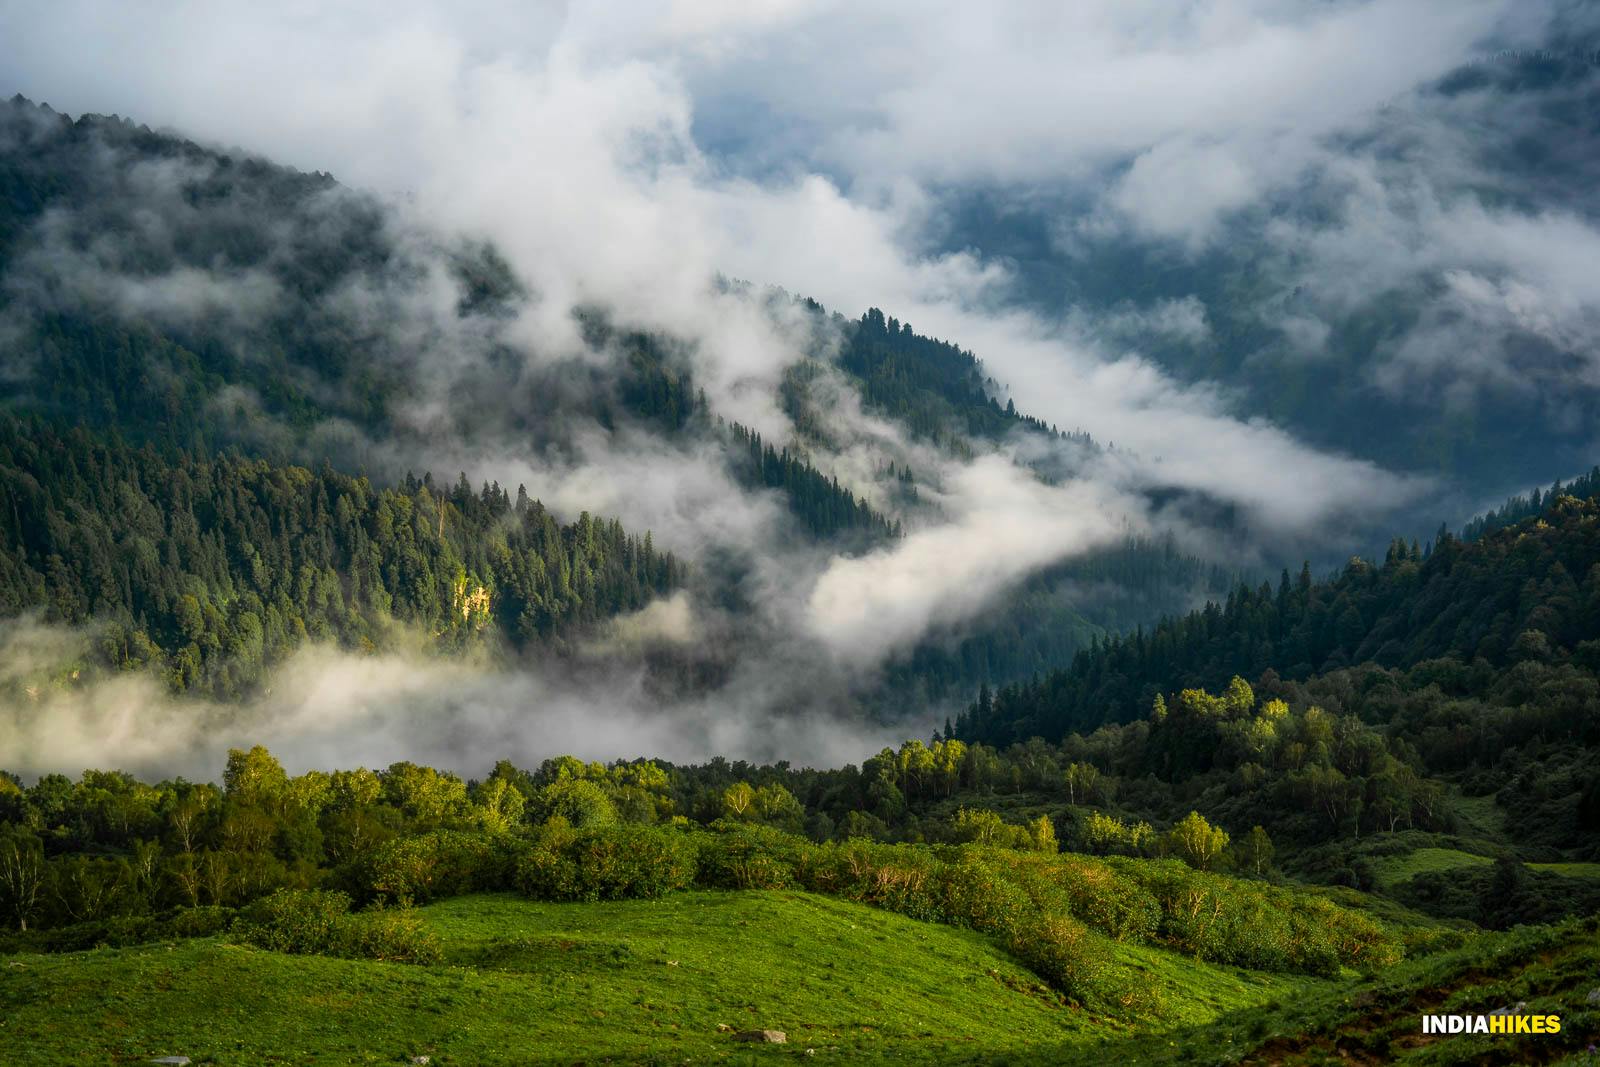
x=1377, y=1020
x=658, y=981
x=628, y=981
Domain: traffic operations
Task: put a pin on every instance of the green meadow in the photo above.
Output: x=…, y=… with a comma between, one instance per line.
x=663, y=981
x=674, y=980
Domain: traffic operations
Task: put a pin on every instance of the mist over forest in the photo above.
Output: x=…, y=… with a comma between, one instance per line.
x=1117, y=367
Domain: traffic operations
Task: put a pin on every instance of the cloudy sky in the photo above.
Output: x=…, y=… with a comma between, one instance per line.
x=624, y=154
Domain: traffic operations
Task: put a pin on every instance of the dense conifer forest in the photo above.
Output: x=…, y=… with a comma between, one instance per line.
x=211, y=570
x=1523, y=594
x=936, y=388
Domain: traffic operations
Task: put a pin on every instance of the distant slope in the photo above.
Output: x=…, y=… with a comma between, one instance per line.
x=1526, y=507
x=1527, y=591
x=1303, y=303
x=940, y=393
x=142, y=275
x=935, y=388
x=1050, y=617
x=184, y=297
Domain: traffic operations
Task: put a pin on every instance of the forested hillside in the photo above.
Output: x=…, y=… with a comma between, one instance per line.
x=1526, y=507
x=873, y=533
x=89, y=217
x=167, y=294
x=1055, y=614
x=936, y=388
x=214, y=568
x=653, y=389
x=91, y=208
x=1525, y=593
x=1426, y=728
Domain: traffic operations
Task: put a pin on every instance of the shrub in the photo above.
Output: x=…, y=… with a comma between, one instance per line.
x=897, y=878
x=634, y=861
x=741, y=856
x=198, y=922
x=544, y=870
x=121, y=931
x=319, y=922
x=431, y=866
x=976, y=887
x=1065, y=953
x=970, y=893
x=1254, y=925
x=307, y=922
x=609, y=863
x=394, y=934
x=1104, y=899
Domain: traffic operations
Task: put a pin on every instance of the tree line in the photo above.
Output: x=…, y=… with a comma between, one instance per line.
x=280, y=861
x=1531, y=505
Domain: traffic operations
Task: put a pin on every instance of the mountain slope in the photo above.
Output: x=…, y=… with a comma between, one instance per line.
x=1389, y=298
x=181, y=296
x=213, y=569
x=1526, y=592
x=164, y=293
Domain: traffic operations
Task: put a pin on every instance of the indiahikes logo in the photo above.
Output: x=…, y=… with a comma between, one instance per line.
x=1499, y=1022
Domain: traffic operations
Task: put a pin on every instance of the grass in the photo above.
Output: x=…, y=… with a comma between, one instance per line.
x=1378, y=1020
x=626, y=982
x=1553, y=970
x=1569, y=870
x=1181, y=991
x=1392, y=870
x=1480, y=816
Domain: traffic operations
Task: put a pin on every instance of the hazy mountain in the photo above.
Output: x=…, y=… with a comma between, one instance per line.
x=172, y=302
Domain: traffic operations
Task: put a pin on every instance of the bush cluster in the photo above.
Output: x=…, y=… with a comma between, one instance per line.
x=612, y=862
x=430, y=866
x=965, y=886
x=1058, y=913
x=122, y=930
x=320, y=923
x=1252, y=924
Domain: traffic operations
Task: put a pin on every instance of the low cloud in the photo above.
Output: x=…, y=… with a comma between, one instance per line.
x=669, y=621
x=324, y=708
x=1486, y=280
x=1002, y=525
x=1181, y=320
